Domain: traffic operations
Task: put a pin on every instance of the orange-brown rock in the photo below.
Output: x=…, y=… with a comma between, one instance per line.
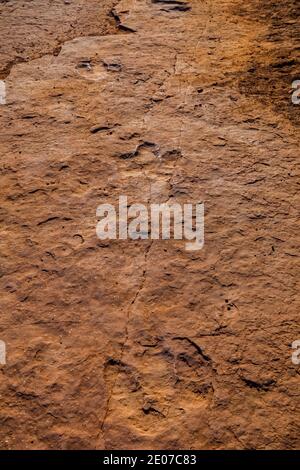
x=142, y=344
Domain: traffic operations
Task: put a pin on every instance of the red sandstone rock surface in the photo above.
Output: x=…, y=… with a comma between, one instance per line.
x=142, y=344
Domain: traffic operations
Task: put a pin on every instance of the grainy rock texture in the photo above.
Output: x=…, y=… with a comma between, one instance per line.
x=142, y=344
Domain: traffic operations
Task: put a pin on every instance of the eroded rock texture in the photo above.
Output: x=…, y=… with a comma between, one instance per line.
x=142, y=344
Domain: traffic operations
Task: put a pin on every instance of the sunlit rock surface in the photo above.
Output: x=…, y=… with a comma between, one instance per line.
x=142, y=344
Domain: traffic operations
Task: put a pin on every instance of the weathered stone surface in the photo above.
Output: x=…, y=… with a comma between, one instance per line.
x=31, y=29
x=141, y=344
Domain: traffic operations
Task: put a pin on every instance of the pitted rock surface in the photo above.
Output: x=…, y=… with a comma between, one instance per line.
x=141, y=344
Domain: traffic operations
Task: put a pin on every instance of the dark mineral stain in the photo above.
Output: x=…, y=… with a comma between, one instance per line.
x=270, y=72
